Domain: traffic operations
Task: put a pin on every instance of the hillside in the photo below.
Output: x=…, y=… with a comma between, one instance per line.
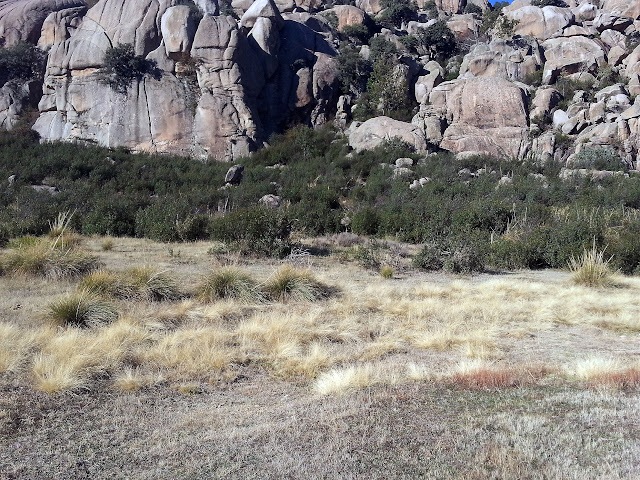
x=214, y=80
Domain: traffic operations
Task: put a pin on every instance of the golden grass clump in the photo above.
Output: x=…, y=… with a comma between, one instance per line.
x=591, y=269
x=386, y=271
x=338, y=381
x=148, y=284
x=81, y=309
x=53, y=376
x=605, y=372
x=107, y=244
x=293, y=284
x=46, y=259
x=229, y=283
x=106, y=283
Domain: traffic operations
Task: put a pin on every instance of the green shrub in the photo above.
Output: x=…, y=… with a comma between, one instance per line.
x=367, y=256
x=599, y=158
x=429, y=258
x=437, y=39
x=472, y=8
x=386, y=271
x=255, y=230
x=353, y=70
x=396, y=12
x=83, y=310
x=21, y=62
x=359, y=32
x=465, y=259
x=122, y=67
x=549, y=3
x=366, y=221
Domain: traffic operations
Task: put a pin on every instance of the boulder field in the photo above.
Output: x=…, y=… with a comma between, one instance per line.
x=230, y=74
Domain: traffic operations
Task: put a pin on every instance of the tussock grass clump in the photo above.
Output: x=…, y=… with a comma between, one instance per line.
x=51, y=375
x=591, y=269
x=81, y=309
x=229, y=283
x=46, y=259
x=386, y=271
x=293, y=284
x=605, y=372
x=107, y=244
x=106, y=283
x=341, y=380
x=148, y=284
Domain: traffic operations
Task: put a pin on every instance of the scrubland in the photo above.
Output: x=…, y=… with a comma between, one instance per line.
x=194, y=364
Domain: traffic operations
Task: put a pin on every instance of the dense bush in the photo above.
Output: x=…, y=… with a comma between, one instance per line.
x=122, y=67
x=549, y=3
x=256, y=230
x=21, y=62
x=599, y=158
x=326, y=189
x=396, y=12
x=437, y=39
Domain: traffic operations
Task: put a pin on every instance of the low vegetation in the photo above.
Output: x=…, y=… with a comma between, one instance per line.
x=81, y=309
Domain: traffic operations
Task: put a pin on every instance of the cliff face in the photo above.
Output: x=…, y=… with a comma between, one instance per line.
x=225, y=84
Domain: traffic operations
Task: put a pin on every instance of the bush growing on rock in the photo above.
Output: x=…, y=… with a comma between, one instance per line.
x=549, y=3
x=22, y=62
x=437, y=39
x=396, y=12
x=122, y=67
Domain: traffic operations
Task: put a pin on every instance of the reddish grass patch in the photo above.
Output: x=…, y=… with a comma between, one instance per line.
x=491, y=377
x=623, y=380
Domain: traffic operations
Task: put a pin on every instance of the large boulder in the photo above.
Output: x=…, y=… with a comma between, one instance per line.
x=372, y=7
x=22, y=20
x=450, y=6
x=261, y=9
x=501, y=58
x=432, y=77
x=622, y=8
x=540, y=23
x=374, y=131
x=572, y=55
x=178, y=29
x=348, y=15
x=485, y=115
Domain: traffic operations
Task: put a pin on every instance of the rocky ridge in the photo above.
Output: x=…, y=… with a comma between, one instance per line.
x=230, y=75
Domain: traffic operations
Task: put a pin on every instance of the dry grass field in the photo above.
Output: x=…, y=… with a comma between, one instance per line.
x=175, y=362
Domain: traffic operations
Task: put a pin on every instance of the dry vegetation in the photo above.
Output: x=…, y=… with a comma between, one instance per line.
x=253, y=369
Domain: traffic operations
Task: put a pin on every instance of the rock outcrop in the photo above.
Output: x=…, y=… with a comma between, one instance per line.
x=224, y=76
x=373, y=132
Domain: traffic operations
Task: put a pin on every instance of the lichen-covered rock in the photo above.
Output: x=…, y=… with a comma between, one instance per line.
x=178, y=29
x=501, y=58
x=572, y=55
x=486, y=115
x=22, y=20
x=348, y=15
x=622, y=8
x=540, y=23
x=373, y=132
